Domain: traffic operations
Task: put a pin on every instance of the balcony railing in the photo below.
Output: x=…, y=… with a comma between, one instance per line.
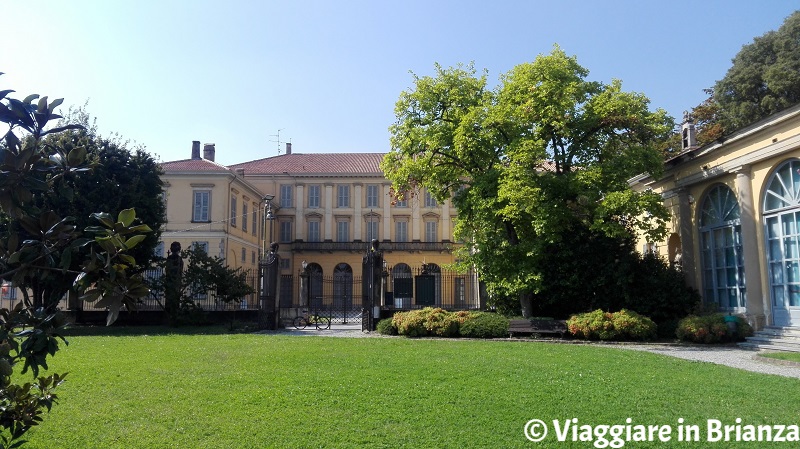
x=364, y=246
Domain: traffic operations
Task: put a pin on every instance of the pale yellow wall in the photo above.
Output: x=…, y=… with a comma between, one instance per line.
x=218, y=231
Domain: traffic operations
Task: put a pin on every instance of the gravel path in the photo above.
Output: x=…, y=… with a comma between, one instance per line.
x=746, y=359
x=733, y=356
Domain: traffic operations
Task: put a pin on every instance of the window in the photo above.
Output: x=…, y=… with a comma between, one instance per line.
x=233, y=211
x=313, y=196
x=721, y=249
x=285, y=231
x=782, y=214
x=285, y=265
x=401, y=231
x=254, y=219
x=203, y=246
x=342, y=196
x=244, y=216
x=372, y=229
x=244, y=254
x=202, y=205
x=286, y=195
x=252, y=257
x=342, y=231
x=430, y=201
x=401, y=203
x=372, y=196
x=431, y=234
x=313, y=231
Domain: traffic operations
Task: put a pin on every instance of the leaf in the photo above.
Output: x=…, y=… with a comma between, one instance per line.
x=133, y=241
x=30, y=98
x=3, y=93
x=54, y=104
x=126, y=217
x=41, y=107
x=77, y=156
x=104, y=218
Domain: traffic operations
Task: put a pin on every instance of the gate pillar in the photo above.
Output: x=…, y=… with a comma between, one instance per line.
x=371, y=286
x=269, y=267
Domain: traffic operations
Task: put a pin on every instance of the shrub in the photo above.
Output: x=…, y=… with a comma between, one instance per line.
x=712, y=329
x=484, y=325
x=622, y=325
x=386, y=327
x=427, y=322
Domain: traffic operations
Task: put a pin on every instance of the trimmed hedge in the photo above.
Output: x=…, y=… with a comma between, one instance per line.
x=484, y=325
x=437, y=322
x=622, y=325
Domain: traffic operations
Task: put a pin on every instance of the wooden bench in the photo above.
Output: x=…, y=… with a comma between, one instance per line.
x=529, y=327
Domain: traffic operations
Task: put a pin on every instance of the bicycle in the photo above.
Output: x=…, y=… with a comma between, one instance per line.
x=319, y=321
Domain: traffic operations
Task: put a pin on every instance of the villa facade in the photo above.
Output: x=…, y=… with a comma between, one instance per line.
x=735, y=227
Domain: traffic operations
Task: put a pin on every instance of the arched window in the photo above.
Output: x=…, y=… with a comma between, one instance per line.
x=782, y=221
x=342, y=286
x=721, y=243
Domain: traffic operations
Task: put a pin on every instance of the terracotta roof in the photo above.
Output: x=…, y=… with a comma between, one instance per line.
x=315, y=163
x=193, y=165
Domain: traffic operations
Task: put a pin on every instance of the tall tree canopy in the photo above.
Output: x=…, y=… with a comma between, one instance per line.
x=764, y=78
x=545, y=153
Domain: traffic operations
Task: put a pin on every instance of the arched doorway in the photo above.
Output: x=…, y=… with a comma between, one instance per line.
x=402, y=285
x=782, y=222
x=721, y=246
x=342, y=287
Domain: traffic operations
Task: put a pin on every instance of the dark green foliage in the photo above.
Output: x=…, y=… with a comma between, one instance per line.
x=484, y=325
x=712, y=328
x=587, y=270
x=386, y=327
x=764, y=78
x=622, y=325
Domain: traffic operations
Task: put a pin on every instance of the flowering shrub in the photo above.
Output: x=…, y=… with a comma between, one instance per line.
x=427, y=322
x=712, y=329
x=622, y=325
x=437, y=322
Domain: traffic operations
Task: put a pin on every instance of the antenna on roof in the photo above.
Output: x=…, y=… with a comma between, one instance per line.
x=278, y=139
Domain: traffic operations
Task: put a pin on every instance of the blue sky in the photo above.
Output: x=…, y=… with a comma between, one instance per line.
x=328, y=73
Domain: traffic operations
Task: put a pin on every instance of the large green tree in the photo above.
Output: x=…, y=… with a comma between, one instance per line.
x=38, y=243
x=544, y=154
x=113, y=179
x=764, y=77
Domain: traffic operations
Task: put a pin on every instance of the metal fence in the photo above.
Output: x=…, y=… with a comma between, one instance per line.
x=207, y=300
x=339, y=296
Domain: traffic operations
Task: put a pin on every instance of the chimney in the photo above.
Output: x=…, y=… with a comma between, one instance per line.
x=195, y=149
x=288, y=147
x=688, y=132
x=208, y=152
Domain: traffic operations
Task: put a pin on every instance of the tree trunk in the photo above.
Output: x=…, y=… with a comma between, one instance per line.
x=526, y=304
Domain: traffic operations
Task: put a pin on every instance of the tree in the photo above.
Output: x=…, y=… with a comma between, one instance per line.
x=764, y=78
x=203, y=273
x=544, y=155
x=38, y=243
x=118, y=179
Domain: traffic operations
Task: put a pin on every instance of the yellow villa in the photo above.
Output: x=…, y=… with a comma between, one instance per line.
x=322, y=210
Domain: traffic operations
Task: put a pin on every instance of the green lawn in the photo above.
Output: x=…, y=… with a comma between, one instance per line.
x=788, y=356
x=262, y=391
